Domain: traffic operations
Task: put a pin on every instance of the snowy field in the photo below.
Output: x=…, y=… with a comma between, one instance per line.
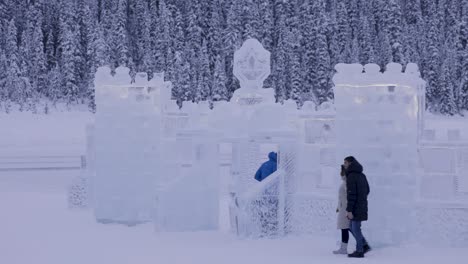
x=37, y=227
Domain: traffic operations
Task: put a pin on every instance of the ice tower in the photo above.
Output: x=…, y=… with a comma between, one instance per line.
x=378, y=122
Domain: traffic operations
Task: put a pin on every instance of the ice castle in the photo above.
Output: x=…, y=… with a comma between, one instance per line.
x=150, y=161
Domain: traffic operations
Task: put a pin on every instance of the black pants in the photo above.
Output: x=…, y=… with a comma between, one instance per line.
x=345, y=236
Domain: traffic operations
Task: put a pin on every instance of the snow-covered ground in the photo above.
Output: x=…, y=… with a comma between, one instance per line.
x=37, y=227
x=23, y=133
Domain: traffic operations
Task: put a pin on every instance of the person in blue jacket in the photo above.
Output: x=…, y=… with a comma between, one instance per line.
x=267, y=168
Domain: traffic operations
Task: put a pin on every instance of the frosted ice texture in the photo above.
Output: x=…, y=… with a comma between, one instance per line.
x=127, y=133
x=377, y=122
x=190, y=200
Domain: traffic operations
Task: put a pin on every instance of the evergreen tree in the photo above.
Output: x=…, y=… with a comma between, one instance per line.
x=178, y=36
x=17, y=87
x=204, y=77
x=85, y=36
x=252, y=21
x=354, y=52
x=323, y=70
x=353, y=13
x=4, y=96
x=215, y=33
x=167, y=48
x=344, y=35
x=54, y=84
x=69, y=57
x=279, y=71
x=463, y=84
x=432, y=61
x=38, y=70
x=119, y=36
x=267, y=24
x=141, y=35
x=384, y=50
x=309, y=34
x=181, y=91
x=219, y=89
x=295, y=75
x=232, y=41
x=366, y=47
x=332, y=40
x=394, y=31
x=447, y=100
x=193, y=42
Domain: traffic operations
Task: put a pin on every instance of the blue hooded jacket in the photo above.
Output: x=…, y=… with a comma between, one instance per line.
x=267, y=168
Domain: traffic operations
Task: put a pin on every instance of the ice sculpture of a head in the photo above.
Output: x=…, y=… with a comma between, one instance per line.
x=252, y=64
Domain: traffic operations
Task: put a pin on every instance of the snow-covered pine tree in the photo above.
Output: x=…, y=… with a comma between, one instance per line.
x=219, y=91
x=384, y=50
x=17, y=87
x=267, y=23
x=279, y=69
x=323, y=91
x=51, y=46
x=344, y=34
x=38, y=70
x=308, y=29
x=463, y=84
x=451, y=31
x=447, y=100
x=54, y=84
x=394, y=30
x=69, y=53
x=156, y=49
x=366, y=47
x=140, y=35
x=146, y=49
x=4, y=96
x=100, y=48
x=85, y=24
x=24, y=50
x=295, y=74
x=432, y=69
x=204, y=76
x=332, y=40
x=354, y=52
x=214, y=34
x=232, y=41
x=462, y=56
x=178, y=36
x=99, y=55
x=193, y=42
x=411, y=32
x=168, y=49
x=181, y=91
x=252, y=20
x=120, y=36
x=353, y=13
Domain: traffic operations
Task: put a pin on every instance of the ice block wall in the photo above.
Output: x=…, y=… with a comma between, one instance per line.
x=377, y=123
x=127, y=135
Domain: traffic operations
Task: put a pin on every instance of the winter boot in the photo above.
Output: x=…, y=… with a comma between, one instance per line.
x=367, y=248
x=356, y=254
x=342, y=250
